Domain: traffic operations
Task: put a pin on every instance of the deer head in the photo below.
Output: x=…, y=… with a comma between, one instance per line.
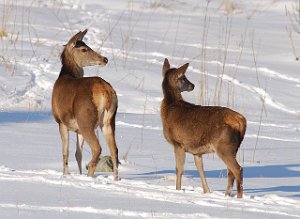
x=176, y=77
x=82, y=54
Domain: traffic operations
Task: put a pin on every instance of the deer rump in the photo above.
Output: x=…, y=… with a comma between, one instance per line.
x=93, y=96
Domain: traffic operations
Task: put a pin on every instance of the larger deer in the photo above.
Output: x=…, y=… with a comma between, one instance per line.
x=81, y=104
x=200, y=129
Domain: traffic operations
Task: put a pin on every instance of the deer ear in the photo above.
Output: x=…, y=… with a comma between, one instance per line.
x=166, y=66
x=181, y=70
x=78, y=36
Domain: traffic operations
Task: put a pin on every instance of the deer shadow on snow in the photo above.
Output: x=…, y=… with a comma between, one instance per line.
x=274, y=172
x=23, y=116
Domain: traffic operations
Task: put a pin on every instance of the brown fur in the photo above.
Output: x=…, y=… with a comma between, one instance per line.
x=81, y=104
x=200, y=129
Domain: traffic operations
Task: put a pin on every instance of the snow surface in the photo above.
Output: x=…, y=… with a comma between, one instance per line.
x=249, y=49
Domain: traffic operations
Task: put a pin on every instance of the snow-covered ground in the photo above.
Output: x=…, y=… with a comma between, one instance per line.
x=240, y=56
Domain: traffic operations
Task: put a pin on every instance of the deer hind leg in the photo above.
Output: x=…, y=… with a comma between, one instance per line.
x=239, y=183
x=91, y=138
x=234, y=169
x=180, y=160
x=64, y=134
x=199, y=164
x=78, y=153
x=237, y=171
x=108, y=129
x=230, y=182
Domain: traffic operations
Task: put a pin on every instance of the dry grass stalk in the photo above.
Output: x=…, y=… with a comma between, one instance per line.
x=203, y=75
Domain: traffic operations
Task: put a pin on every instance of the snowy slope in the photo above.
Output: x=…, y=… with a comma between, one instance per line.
x=248, y=51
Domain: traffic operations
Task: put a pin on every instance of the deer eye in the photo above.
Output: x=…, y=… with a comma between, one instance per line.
x=84, y=50
x=183, y=78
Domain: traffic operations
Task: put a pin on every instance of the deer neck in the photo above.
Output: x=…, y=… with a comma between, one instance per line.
x=171, y=95
x=69, y=66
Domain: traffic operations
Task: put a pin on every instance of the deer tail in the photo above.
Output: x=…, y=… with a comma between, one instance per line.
x=238, y=122
x=242, y=127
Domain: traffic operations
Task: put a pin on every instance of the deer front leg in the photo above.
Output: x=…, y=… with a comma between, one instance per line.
x=180, y=160
x=78, y=153
x=199, y=164
x=64, y=134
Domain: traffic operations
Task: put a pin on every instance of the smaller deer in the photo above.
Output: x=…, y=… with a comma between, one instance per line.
x=81, y=104
x=200, y=129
